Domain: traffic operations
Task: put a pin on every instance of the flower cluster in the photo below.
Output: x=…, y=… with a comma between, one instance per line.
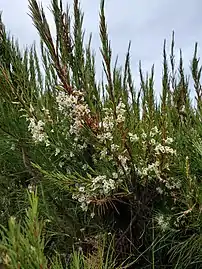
x=37, y=131
x=123, y=160
x=107, y=126
x=106, y=136
x=99, y=186
x=159, y=150
x=83, y=198
x=164, y=149
x=74, y=107
x=102, y=185
x=47, y=116
x=76, y=110
x=120, y=112
x=110, y=121
x=157, y=165
x=163, y=222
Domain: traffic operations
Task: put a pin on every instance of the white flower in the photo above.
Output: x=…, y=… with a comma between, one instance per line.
x=170, y=150
x=153, y=141
x=47, y=114
x=31, y=109
x=85, y=166
x=66, y=101
x=82, y=198
x=114, y=175
x=120, y=171
x=102, y=185
x=159, y=190
x=169, y=140
x=103, y=153
x=123, y=160
x=81, y=189
x=105, y=136
x=31, y=188
x=145, y=172
x=12, y=146
x=47, y=142
x=159, y=149
x=92, y=215
x=57, y=151
x=120, y=118
x=144, y=136
x=74, y=196
x=83, y=146
x=165, y=149
x=154, y=131
x=157, y=163
x=133, y=137
x=71, y=154
x=173, y=183
x=112, y=184
x=75, y=128
x=151, y=167
x=84, y=207
x=61, y=164
x=108, y=124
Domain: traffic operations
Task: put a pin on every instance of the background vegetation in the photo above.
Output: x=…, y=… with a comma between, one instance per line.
x=96, y=174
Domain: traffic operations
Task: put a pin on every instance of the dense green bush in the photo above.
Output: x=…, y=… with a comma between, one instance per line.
x=118, y=174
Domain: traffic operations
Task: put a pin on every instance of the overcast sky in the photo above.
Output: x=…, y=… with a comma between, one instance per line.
x=145, y=22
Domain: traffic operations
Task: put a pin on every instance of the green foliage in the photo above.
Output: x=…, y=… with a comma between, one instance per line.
x=23, y=243
x=105, y=156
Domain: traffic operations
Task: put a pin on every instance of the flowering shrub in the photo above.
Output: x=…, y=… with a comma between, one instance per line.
x=104, y=157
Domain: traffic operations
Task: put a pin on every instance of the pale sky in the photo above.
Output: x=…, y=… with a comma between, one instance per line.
x=145, y=22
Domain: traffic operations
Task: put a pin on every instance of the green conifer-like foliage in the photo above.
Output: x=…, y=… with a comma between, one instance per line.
x=96, y=174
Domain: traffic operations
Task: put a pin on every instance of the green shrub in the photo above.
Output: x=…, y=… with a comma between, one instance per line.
x=105, y=157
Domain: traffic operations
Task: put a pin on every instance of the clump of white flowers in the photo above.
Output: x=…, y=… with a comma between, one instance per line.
x=37, y=130
x=172, y=183
x=154, y=131
x=31, y=188
x=107, y=126
x=109, y=122
x=163, y=222
x=120, y=112
x=106, y=136
x=74, y=107
x=158, y=150
x=37, y=127
x=164, y=149
x=123, y=159
x=76, y=111
x=67, y=101
x=83, y=198
x=100, y=186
